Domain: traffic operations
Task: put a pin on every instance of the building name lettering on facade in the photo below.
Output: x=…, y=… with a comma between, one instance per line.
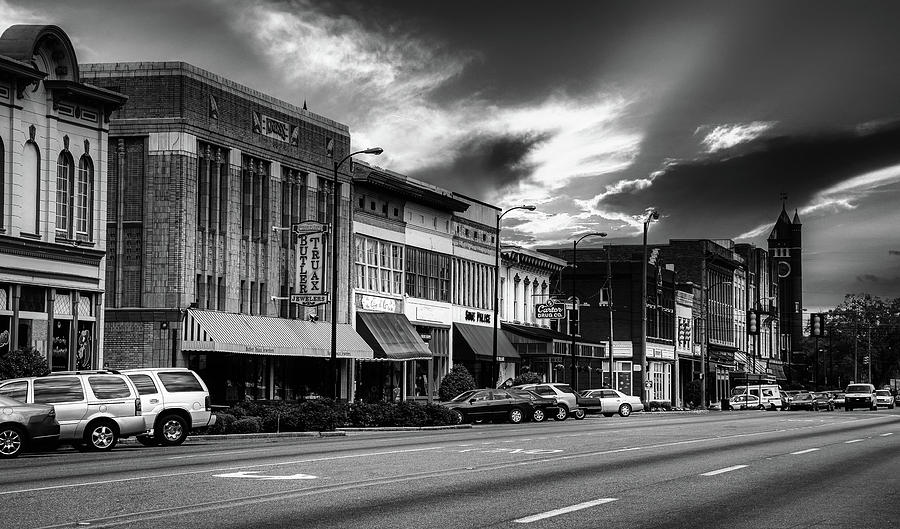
x=379, y=304
x=310, y=255
x=275, y=129
x=480, y=317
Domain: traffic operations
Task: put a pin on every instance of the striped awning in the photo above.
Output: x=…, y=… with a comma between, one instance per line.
x=227, y=332
x=391, y=336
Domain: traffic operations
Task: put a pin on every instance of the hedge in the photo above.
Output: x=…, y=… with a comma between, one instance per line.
x=324, y=415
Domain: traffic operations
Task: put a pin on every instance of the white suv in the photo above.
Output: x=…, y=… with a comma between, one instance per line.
x=860, y=396
x=94, y=408
x=175, y=400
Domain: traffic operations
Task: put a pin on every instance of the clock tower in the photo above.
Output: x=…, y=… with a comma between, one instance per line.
x=785, y=254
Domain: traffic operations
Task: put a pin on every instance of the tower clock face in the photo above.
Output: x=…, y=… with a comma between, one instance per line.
x=784, y=269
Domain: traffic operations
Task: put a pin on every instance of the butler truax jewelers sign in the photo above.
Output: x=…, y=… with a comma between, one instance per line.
x=310, y=279
x=275, y=129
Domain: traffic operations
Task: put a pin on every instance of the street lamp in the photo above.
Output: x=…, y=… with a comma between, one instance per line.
x=706, y=326
x=575, y=300
x=495, y=367
x=642, y=354
x=335, y=239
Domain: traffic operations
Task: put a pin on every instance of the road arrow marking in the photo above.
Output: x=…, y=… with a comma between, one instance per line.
x=252, y=474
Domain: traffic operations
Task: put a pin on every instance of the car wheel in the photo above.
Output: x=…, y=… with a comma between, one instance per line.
x=458, y=417
x=760, y=407
x=539, y=415
x=12, y=441
x=562, y=413
x=579, y=414
x=101, y=436
x=171, y=430
x=516, y=415
x=147, y=440
x=608, y=414
x=625, y=410
x=815, y=407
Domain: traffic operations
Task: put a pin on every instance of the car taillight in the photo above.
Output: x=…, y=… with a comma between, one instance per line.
x=137, y=406
x=52, y=412
x=207, y=403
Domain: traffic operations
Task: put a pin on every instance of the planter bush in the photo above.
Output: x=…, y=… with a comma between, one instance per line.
x=246, y=425
x=27, y=362
x=455, y=382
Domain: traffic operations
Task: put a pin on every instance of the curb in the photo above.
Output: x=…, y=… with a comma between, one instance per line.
x=238, y=436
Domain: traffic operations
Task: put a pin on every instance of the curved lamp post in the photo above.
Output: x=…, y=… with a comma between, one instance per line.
x=575, y=301
x=335, y=239
x=495, y=367
x=651, y=216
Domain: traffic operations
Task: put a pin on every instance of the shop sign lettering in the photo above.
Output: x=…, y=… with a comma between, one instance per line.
x=275, y=129
x=550, y=310
x=310, y=279
x=480, y=317
x=375, y=303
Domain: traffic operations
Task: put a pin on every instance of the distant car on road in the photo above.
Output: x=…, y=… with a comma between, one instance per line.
x=613, y=401
x=490, y=404
x=860, y=396
x=884, y=398
x=24, y=425
x=542, y=407
x=811, y=402
x=837, y=398
x=565, y=396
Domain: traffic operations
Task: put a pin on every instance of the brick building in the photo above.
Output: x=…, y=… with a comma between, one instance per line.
x=205, y=175
x=53, y=175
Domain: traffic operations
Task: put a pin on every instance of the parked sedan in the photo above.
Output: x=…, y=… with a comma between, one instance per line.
x=490, y=404
x=812, y=402
x=613, y=401
x=22, y=425
x=541, y=407
x=885, y=398
x=837, y=399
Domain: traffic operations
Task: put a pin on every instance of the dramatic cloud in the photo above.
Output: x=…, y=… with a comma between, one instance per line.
x=723, y=137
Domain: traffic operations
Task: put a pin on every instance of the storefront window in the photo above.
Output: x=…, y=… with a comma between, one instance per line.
x=60, y=360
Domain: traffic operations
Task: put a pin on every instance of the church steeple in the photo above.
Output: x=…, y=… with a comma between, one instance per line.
x=796, y=218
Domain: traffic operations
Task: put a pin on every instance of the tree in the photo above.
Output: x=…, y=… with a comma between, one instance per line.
x=862, y=332
x=455, y=382
x=27, y=362
x=528, y=377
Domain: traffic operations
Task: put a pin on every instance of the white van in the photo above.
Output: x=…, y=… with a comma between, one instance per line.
x=771, y=395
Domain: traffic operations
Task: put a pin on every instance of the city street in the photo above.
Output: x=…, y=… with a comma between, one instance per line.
x=735, y=469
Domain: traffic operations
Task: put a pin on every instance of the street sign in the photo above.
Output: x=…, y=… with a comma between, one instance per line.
x=550, y=310
x=648, y=384
x=308, y=226
x=309, y=300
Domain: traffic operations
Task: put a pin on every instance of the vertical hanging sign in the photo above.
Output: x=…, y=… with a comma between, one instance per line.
x=311, y=258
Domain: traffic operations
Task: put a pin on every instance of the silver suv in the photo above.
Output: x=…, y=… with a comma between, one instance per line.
x=175, y=400
x=860, y=396
x=94, y=408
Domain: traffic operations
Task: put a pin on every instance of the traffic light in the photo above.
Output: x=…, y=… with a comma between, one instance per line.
x=752, y=322
x=816, y=324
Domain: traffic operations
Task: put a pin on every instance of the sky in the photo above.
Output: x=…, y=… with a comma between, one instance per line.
x=596, y=112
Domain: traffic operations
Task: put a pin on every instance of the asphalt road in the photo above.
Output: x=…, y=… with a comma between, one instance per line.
x=723, y=469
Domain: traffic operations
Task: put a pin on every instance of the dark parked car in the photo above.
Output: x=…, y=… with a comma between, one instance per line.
x=812, y=402
x=542, y=407
x=23, y=425
x=490, y=404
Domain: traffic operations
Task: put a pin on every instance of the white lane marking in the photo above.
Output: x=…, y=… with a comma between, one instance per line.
x=886, y=434
x=808, y=450
x=854, y=441
x=207, y=454
x=225, y=469
x=254, y=475
x=564, y=510
x=723, y=470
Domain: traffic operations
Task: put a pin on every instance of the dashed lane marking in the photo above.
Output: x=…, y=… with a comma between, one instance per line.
x=854, y=441
x=564, y=510
x=723, y=470
x=808, y=450
x=886, y=434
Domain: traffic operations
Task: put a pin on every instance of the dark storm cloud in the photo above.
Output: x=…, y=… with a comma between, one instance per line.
x=485, y=164
x=738, y=188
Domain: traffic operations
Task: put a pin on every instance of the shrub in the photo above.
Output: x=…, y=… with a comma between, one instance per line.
x=660, y=405
x=246, y=425
x=222, y=424
x=410, y=413
x=366, y=415
x=529, y=377
x=455, y=382
x=27, y=362
x=438, y=415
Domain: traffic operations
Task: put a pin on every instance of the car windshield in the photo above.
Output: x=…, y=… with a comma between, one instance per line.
x=524, y=393
x=883, y=393
x=565, y=388
x=803, y=396
x=463, y=396
x=859, y=388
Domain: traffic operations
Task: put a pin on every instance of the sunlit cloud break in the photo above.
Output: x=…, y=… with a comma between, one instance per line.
x=723, y=137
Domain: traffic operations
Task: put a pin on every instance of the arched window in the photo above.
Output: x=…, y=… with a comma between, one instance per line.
x=31, y=187
x=84, y=193
x=65, y=183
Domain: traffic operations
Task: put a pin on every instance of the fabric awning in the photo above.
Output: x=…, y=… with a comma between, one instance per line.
x=778, y=371
x=478, y=342
x=227, y=332
x=391, y=336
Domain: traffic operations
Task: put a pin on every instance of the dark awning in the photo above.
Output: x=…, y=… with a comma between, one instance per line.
x=778, y=371
x=477, y=341
x=391, y=336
